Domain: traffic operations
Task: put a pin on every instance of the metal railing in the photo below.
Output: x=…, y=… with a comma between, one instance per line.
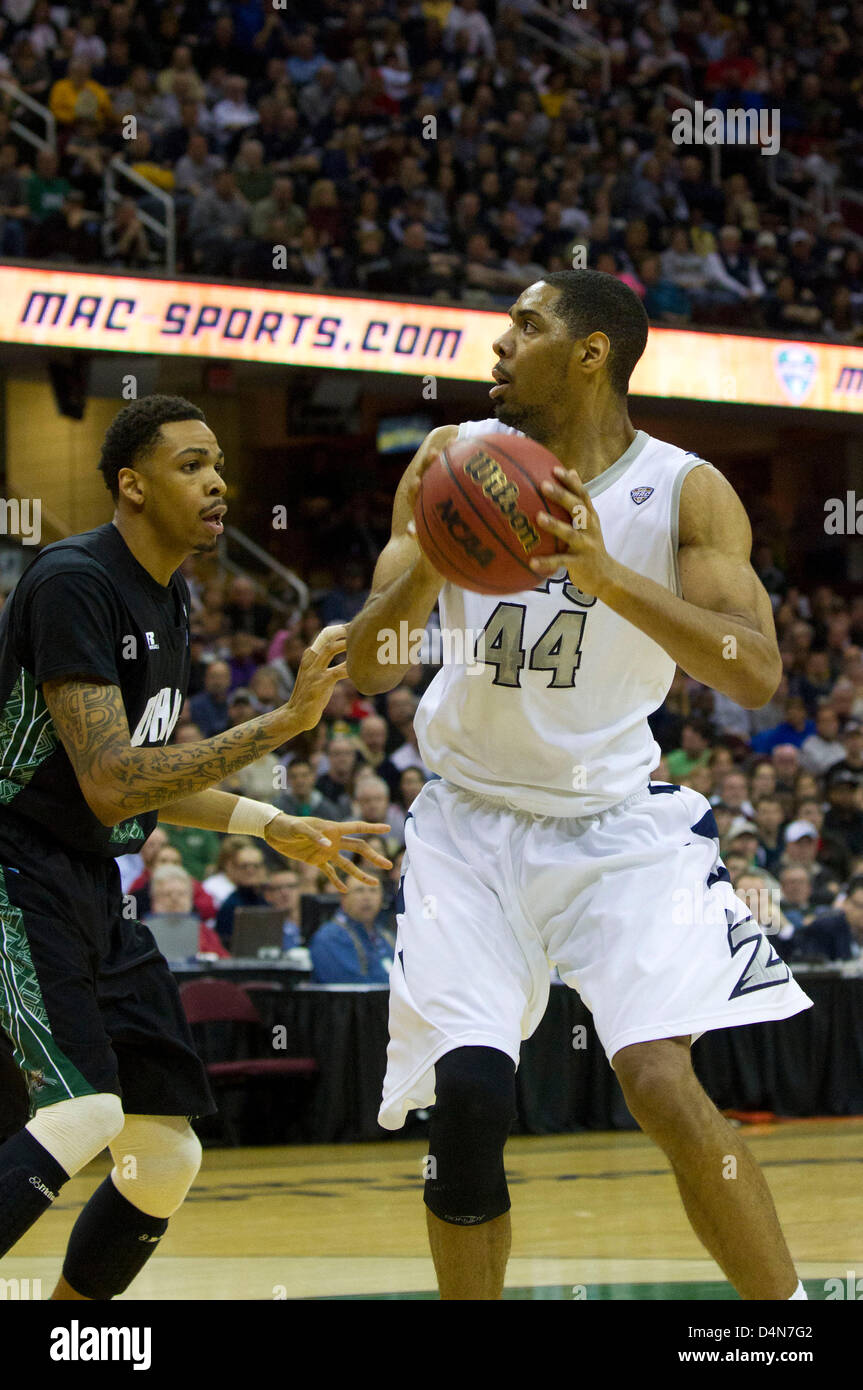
x=684, y=99
x=118, y=169
x=589, y=49
x=46, y=142
x=238, y=537
x=823, y=202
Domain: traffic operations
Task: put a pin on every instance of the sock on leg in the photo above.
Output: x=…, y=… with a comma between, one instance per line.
x=30, y=1179
x=799, y=1292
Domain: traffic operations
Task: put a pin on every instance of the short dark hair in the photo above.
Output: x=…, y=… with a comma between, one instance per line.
x=594, y=301
x=134, y=433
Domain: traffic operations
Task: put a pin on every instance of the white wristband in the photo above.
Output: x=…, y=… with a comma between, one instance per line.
x=251, y=817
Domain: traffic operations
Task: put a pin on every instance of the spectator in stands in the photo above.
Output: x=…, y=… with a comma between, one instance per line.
x=734, y=793
x=171, y=892
x=372, y=266
x=844, y=819
x=305, y=62
x=785, y=759
x=233, y=114
x=836, y=934
x=851, y=739
x=282, y=890
x=277, y=218
x=181, y=65
x=609, y=163
x=14, y=207
x=199, y=849
x=704, y=277
x=46, y=190
x=664, y=301
x=796, y=883
x=801, y=847
x=823, y=749
x=428, y=272
x=155, y=851
x=762, y=781
x=303, y=798
x=247, y=867
x=372, y=798
x=739, y=265
x=794, y=729
x=742, y=838
x=694, y=750
x=761, y=895
x=372, y=748
x=244, y=609
x=792, y=309
x=354, y=947
x=411, y=783
x=30, y=72
x=769, y=817
x=218, y=225
x=76, y=95
x=223, y=881
x=195, y=170
x=466, y=21
x=245, y=651
x=285, y=666
x=209, y=709
x=344, y=602
x=264, y=686
x=401, y=707
x=336, y=784
x=127, y=242
x=254, y=180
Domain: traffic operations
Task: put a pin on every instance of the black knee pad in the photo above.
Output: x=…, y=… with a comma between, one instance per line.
x=474, y=1112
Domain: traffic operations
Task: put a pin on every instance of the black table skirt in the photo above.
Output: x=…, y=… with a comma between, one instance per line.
x=811, y=1064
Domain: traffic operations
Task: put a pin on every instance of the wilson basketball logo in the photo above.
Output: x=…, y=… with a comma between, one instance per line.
x=486, y=472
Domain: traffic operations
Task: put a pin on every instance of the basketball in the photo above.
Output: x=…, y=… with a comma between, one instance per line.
x=476, y=512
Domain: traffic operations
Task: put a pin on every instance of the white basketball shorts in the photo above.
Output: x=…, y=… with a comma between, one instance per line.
x=633, y=906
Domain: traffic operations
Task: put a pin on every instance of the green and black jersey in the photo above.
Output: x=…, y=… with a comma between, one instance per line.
x=85, y=608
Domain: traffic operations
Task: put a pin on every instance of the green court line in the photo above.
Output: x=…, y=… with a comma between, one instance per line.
x=702, y=1292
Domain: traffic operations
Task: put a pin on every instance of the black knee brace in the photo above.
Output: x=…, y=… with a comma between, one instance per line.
x=110, y=1243
x=473, y=1114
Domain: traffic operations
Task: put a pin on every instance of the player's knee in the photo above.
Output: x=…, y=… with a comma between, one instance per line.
x=156, y=1160
x=478, y=1085
x=75, y=1131
x=473, y=1114
x=657, y=1080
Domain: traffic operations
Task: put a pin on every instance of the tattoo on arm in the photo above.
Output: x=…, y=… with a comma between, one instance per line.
x=124, y=781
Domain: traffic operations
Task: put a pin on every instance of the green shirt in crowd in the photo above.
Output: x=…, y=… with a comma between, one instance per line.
x=199, y=849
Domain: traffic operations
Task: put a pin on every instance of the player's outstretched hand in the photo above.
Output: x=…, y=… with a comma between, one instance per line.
x=325, y=843
x=316, y=677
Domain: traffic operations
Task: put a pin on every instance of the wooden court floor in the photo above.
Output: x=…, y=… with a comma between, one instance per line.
x=594, y=1216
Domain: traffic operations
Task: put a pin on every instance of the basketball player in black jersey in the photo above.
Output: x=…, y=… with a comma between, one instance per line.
x=94, y=662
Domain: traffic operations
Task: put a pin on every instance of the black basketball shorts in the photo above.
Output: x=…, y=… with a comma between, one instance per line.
x=87, y=1002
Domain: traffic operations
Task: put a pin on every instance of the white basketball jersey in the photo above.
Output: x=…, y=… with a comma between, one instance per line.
x=552, y=718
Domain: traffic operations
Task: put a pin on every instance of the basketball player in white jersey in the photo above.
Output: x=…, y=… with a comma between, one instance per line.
x=544, y=843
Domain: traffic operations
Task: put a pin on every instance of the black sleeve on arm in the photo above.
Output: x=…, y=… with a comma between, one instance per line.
x=72, y=628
